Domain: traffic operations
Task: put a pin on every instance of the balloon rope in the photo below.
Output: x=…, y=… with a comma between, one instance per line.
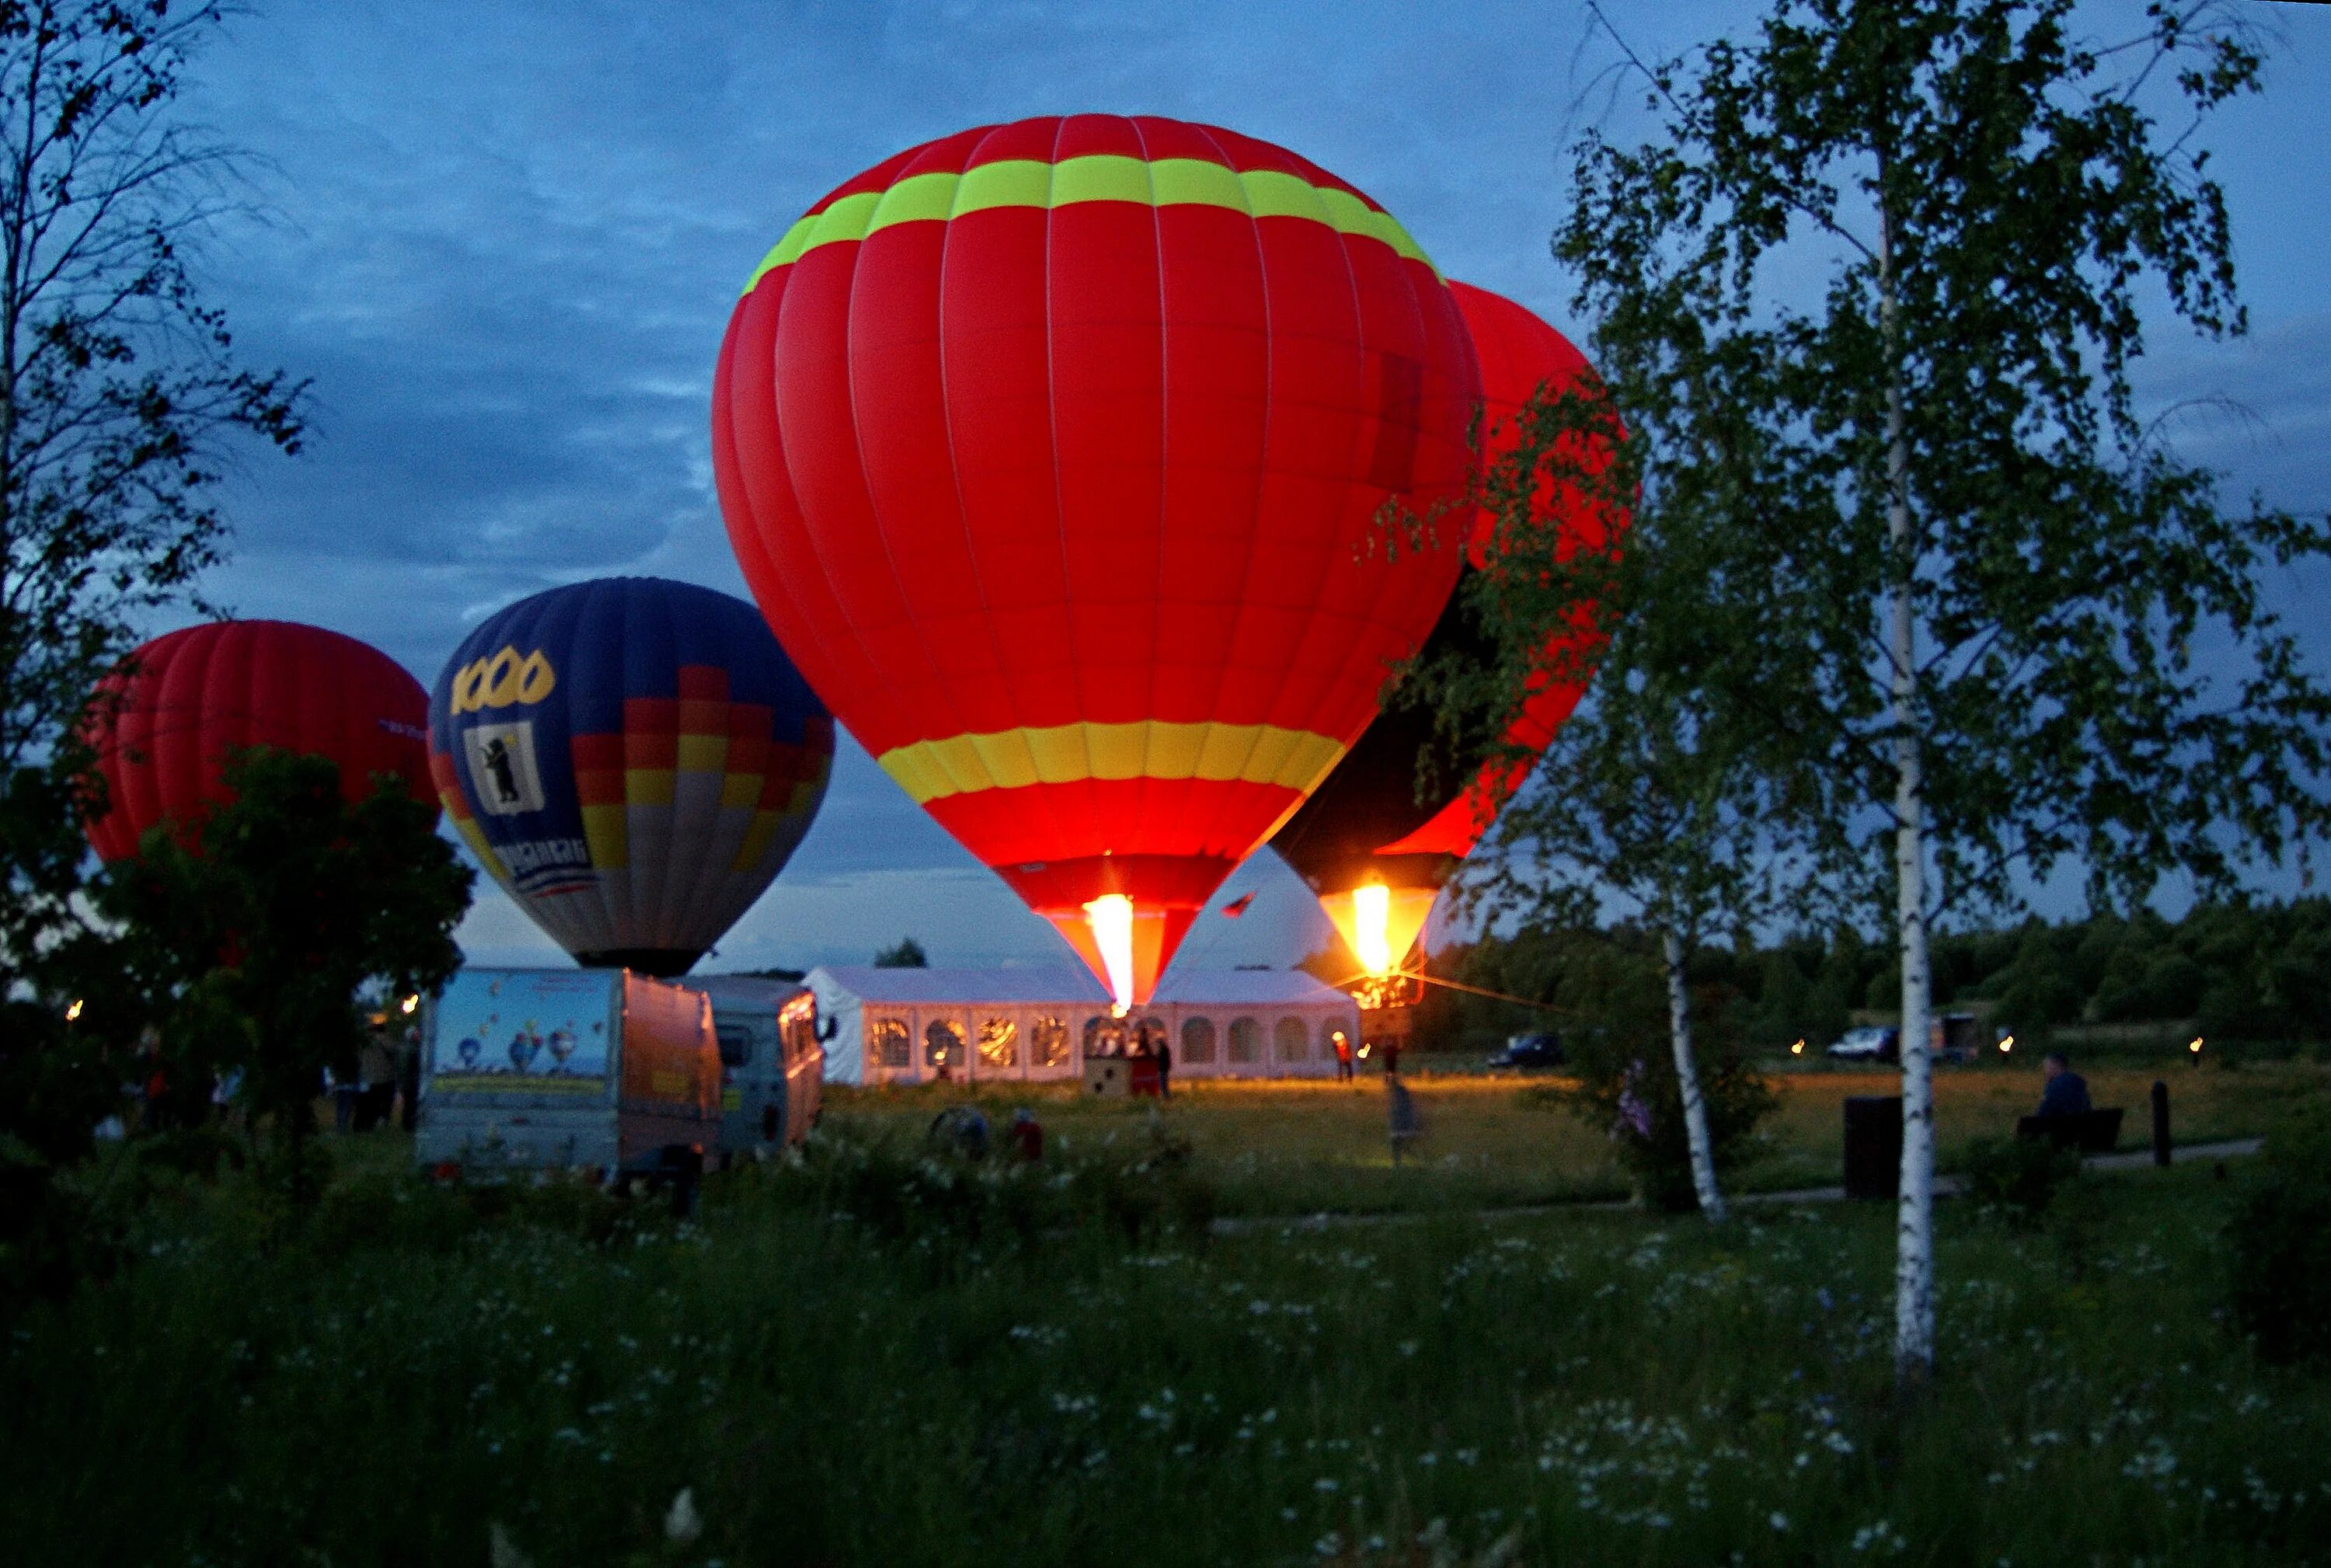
x=1473, y=989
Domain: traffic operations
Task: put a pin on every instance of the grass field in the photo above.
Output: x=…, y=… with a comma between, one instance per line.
x=1294, y=1148
x=406, y=1379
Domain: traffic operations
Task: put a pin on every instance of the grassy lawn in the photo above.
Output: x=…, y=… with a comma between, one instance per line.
x=1288, y=1148
x=1567, y=1387
x=410, y=1374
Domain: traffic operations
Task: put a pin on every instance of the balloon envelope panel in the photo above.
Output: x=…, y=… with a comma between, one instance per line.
x=1054, y=451
x=169, y=723
x=634, y=760
x=1365, y=821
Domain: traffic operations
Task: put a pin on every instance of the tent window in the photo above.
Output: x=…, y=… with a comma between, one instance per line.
x=1246, y=1042
x=1150, y=1033
x=1198, y=1039
x=1048, y=1043
x=999, y=1042
x=887, y=1042
x=1290, y=1040
x=943, y=1043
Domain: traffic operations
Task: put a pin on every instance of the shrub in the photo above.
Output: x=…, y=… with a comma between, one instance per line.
x=1641, y=1105
x=2016, y=1179
x=933, y=1194
x=2280, y=1245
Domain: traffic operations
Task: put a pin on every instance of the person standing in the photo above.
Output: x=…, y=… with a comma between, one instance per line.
x=376, y=1064
x=1165, y=1050
x=1342, y=1043
x=408, y=1077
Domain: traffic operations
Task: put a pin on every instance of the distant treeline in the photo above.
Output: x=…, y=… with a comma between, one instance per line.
x=2258, y=972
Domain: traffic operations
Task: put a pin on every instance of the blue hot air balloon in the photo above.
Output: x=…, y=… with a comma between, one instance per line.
x=632, y=759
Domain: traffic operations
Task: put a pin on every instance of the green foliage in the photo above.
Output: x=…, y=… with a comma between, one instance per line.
x=1622, y=1067
x=2278, y=1243
x=2016, y=1179
x=904, y=954
x=2244, y=972
x=120, y=402
x=941, y=1199
x=1943, y=426
x=248, y=951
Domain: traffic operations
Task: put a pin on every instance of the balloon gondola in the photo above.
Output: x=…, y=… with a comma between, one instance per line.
x=1055, y=453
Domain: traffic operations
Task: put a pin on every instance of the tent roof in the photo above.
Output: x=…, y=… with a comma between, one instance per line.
x=1060, y=983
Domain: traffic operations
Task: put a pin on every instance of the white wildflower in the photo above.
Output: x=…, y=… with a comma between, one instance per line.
x=681, y=1523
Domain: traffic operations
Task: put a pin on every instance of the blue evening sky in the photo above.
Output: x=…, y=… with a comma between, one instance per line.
x=504, y=236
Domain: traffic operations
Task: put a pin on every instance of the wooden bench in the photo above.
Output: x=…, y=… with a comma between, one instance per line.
x=2090, y=1132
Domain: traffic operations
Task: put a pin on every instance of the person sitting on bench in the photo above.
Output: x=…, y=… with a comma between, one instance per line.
x=2066, y=1093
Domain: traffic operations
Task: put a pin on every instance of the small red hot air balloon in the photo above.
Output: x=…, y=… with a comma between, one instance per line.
x=185, y=703
x=1053, y=452
x=1376, y=856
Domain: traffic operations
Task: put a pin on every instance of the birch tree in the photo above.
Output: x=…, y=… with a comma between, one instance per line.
x=1886, y=266
x=1645, y=809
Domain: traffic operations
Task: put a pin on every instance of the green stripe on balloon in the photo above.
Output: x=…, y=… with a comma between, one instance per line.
x=1027, y=183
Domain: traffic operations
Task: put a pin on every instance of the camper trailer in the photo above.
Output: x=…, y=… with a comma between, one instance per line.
x=600, y=1069
x=772, y=1065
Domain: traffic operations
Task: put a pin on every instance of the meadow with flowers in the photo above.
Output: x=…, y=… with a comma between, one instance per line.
x=873, y=1353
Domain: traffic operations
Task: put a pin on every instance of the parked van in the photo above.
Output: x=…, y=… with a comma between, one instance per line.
x=772, y=1066
x=567, y=1069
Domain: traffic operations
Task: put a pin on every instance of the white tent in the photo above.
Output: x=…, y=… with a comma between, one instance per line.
x=982, y=1025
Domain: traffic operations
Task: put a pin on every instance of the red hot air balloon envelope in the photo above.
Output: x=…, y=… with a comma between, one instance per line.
x=188, y=700
x=633, y=760
x=1053, y=451
x=1364, y=827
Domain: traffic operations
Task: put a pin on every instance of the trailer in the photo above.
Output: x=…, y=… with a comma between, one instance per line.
x=771, y=1064
x=590, y=1069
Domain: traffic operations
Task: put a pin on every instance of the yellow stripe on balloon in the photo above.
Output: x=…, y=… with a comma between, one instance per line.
x=757, y=835
x=609, y=836
x=702, y=752
x=475, y=835
x=940, y=195
x=647, y=786
x=1263, y=753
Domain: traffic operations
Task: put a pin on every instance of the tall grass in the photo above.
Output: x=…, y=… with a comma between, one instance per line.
x=406, y=1376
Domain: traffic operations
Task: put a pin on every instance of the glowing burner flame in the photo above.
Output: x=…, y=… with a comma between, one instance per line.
x=1371, y=911
x=1110, y=915
x=1378, y=923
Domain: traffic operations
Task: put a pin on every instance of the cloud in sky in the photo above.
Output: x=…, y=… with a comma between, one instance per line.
x=504, y=237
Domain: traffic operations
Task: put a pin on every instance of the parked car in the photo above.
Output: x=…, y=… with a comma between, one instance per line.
x=1529, y=1050
x=1868, y=1042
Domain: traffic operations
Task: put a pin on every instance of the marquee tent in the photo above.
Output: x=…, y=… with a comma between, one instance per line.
x=982, y=1025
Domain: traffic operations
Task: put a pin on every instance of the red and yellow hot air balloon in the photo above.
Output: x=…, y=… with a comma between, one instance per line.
x=1376, y=855
x=1053, y=452
x=169, y=723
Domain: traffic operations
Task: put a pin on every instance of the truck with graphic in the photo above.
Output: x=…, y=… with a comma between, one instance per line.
x=590, y=1069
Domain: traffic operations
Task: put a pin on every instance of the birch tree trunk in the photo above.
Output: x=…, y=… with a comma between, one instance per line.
x=1694, y=1109
x=1913, y=1266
